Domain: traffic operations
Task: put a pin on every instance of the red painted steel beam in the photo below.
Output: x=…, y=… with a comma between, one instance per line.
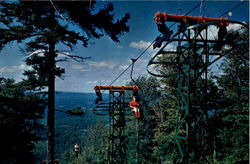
x=163, y=17
x=122, y=88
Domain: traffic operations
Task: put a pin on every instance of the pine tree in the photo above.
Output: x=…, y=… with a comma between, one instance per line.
x=167, y=112
x=41, y=26
x=232, y=136
x=19, y=110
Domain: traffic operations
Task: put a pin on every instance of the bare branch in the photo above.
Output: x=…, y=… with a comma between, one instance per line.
x=62, y=60
x=74, y=57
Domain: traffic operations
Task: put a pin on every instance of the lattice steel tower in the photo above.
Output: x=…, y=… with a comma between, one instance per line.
x=117, y=109
x=193, y=51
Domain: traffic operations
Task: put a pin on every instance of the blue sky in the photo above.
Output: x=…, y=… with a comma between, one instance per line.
x=109, y=58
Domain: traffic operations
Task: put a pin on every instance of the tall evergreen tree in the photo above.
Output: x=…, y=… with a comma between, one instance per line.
x=232, y=136
x=164, y=138
x=19, y=111
x=167, y=110
x=41, y=25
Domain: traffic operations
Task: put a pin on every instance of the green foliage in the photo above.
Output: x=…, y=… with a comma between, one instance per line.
x=150, y=96
x=75, y=112
x=221, y=136
x=93, y=149
x=41, y=28
x=44, y=27
x=222, y=132
x=19, y=111
x=233, y=136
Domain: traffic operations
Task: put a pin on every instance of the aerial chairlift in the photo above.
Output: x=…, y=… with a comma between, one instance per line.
x=78, y=111
x=134, y=105
x=166, y=32
x=193, y=52
x=116, y=109
x=76, y=149
x=184, y=41
x=185, y=21
x=103, y=107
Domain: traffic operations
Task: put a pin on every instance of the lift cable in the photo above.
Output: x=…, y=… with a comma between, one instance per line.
x=121, y=73
x=201, y=6
x=93, y=103
x=226, y=12
x=134, y=60
x=143, y=52
x=198, y=5
x=132, y=64
x=131, y=73
x=211, y=31
x=232, y=8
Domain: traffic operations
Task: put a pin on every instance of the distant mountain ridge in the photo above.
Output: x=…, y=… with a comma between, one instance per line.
x=68, y=128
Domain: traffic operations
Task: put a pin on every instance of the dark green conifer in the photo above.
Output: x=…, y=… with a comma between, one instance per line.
x=42, y=25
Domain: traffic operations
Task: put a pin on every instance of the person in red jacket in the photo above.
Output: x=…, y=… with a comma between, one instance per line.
x=135, y=107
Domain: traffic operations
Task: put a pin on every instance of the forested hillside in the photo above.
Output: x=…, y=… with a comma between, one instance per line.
x=188, y=105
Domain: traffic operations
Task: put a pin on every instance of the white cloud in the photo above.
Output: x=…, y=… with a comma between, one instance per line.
x=90, y=66
x=91, y=82
x=104, y=64
x=141, y=45
x=120, y=47
x=39, y=52
x=13, y=69
x=79, y=67
x=212, y=33
x=142, y=60
x=234, y=27
x=171, y=47
x=105, y=81
x=63, y=54
x=122, y=67
x=123, y=81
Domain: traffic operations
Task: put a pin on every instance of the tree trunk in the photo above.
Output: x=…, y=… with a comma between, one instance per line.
x=51, y=106
x=51, y=95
